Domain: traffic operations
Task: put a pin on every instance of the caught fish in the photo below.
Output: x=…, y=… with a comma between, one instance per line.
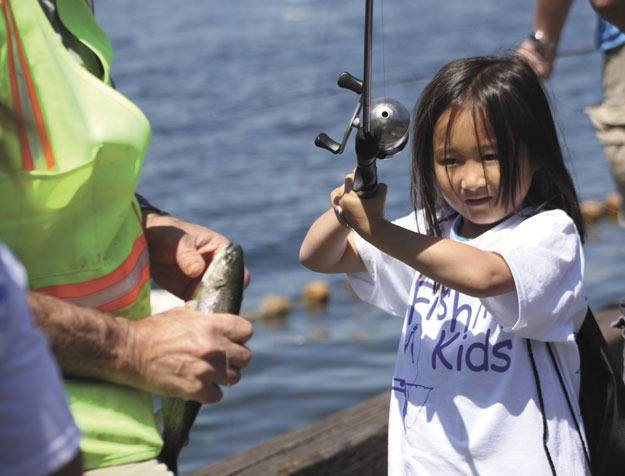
x=219, y=291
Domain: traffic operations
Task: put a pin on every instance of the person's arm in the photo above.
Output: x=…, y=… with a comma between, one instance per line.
x=456, y=265
x=329, y=247
x=611, y=10
x=178, y=353
x=540, y=51
x=329, y=244
x=452, y=264
x=38, y=434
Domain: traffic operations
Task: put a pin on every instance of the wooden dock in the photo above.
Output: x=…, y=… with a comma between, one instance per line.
x=349, y=442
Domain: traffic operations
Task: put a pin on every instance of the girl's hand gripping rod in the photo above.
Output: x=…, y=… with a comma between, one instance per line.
x=383, y=129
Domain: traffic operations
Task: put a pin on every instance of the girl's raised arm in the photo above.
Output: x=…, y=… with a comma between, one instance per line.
x=329, y=247
x=456, y=265
x=452, y=264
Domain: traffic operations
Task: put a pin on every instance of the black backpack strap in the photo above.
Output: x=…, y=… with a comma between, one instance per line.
x=541, y=404
x=568, y=403
x=602, y=401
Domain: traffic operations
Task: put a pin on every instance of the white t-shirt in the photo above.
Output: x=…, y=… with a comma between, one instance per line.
x=464, y=398
x=37, y=433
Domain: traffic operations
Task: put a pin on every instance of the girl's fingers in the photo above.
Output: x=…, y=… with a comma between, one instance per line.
x=337, y=195
x=349, y=182
x=338, y=211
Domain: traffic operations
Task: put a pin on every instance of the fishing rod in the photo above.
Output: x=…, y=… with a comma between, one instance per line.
x=382, y=124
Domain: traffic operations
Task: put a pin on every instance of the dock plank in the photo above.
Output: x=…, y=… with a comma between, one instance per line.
x=352, y=441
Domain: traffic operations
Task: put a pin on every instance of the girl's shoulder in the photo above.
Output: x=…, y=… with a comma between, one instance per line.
x=555, y=220
x=528, y=227
x=532, y=230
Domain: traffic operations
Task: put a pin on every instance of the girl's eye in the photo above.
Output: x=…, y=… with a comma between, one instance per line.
x=447, y=161
x=490, y=157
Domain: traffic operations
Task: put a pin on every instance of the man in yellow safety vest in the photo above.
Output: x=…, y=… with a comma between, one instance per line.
x=70, y=213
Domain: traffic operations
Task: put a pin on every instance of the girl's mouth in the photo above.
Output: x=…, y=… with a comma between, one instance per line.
x=477, y=201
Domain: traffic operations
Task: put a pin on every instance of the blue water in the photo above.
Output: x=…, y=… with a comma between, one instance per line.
x=237, y=91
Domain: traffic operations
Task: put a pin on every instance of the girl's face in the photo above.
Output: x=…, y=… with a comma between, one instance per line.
x=468, y=174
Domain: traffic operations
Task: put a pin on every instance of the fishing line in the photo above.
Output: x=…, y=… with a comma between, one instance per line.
x=228, y=367
x=383, y=50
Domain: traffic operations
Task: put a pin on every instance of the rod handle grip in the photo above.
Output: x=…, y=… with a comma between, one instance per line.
x=366, y=180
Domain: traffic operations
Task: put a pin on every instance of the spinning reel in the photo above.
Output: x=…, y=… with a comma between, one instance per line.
x=382, y=127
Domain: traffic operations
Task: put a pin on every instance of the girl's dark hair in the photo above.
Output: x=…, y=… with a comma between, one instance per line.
x=507, y=95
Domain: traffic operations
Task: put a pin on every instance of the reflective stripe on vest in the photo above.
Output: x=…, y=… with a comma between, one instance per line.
x=113, y=291
x=34, y=142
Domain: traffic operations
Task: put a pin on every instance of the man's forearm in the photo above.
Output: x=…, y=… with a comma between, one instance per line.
x=86, y=342
x=550, y=16
x=541, y=47
x=177, y=353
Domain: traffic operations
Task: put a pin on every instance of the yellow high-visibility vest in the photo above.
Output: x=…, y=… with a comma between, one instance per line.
x=67, y=202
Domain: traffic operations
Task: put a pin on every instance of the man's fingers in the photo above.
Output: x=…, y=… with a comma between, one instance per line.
x=238, y=356
x=211, y=394
x=224, y=368
x=189, y=258
x=207, y=246
x=235, y=328
x=234, y=375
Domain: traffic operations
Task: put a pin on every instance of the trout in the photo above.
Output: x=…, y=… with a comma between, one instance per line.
x=219, y=291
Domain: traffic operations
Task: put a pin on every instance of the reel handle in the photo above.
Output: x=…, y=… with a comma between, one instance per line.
x=348, y=81
x=324, y=141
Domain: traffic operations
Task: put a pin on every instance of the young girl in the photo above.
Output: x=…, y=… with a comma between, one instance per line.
x=488, y=272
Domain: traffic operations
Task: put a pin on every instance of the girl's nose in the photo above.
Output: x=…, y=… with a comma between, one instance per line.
x=473, y=176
